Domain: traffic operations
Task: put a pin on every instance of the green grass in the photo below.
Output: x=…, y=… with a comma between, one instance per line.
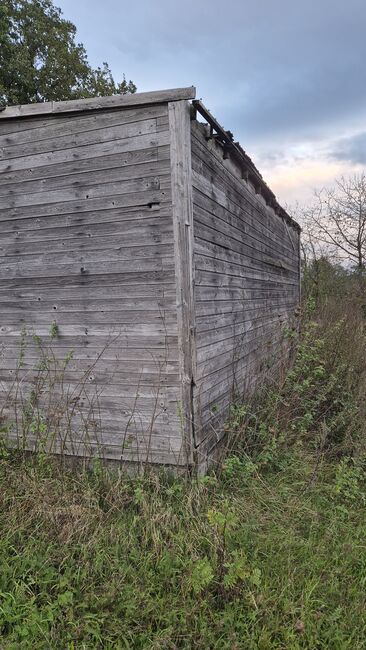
x=271, y=559
x=269, y=553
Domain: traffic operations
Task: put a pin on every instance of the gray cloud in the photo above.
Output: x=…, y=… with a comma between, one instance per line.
x=351, y=149
x=267, y=69
x=274, y=72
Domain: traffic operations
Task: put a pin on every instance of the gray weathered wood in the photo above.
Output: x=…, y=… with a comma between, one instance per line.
x=180, y=148
x=32, y=130
x=126, y=227
x=79, y=167
x=99, y=103
x=246, y=270
x=87, y=243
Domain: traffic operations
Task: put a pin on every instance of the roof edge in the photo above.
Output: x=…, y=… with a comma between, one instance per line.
x=249, y=170
x=95, y=103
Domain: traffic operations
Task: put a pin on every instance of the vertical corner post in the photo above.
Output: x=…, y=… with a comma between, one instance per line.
x=182, y=205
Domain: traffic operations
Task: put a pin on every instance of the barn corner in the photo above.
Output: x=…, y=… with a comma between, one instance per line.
x=143, y=253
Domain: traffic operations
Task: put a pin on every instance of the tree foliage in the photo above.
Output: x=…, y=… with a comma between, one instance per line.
x=40, y=59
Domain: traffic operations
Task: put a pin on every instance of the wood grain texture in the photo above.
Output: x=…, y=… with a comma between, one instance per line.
x=168, y=276
x=246, y=263
x=87, y=243
x=30, y=130
x=99, y=103
x=181, y=179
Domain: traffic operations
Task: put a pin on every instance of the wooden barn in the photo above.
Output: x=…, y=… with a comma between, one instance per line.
x=141, y=246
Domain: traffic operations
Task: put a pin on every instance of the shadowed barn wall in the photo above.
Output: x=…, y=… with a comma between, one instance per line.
x=246, y=267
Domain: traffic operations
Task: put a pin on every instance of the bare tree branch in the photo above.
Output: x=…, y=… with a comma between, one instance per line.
x=337, y=220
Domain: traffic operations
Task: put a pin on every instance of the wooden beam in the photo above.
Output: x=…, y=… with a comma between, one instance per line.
x=181, y=182
x=96, y=103
x=249, y=170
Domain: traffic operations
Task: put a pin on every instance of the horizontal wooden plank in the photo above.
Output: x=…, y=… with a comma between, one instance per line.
x=216, y=279
x=220, y=353
x=91, y=291
x=86, y=441
x=97, y=237
x=161, y=252
x=209, y=257
x=88, y=221
x=209, y=155
x=57, y=354
x=108, y=452
x=157, y=347
x=36, y=129
x=85, y=280
x=99, y=103
x=84, y=265
x=224, y=214
x=144, y=199
x=153, y=258
x=117, y=367
x=85, y=192
x=156, y=247
x=233, y=340
x=244, y=248
x=221, y=293
x=75, y=167
x=213, y=416
x=236, y=216
x=207, y=323
x=151, y=234
x=261, y=262
x=86, y=304
x=120, y=146
x=85, y=318
x=236, y=227
x=252, y=320
x=217, y=198
x=234, y=356
x=229, y=374
x=221, y=307
x=87, y=434
x=107, y=330
x=118, y=394
x=208, y=162
x=86, y=178
x=114, y=412
x=99, y=377
x=76, y=140
x=216, y=412
x=154, y=417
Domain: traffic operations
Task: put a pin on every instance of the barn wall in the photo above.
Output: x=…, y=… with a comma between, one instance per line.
x=246, y=267
x=87, y=243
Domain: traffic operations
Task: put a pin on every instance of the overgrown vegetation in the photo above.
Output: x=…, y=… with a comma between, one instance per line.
x=266, y=553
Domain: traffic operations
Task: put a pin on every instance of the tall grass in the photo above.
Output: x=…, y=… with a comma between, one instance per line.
x=266, y=553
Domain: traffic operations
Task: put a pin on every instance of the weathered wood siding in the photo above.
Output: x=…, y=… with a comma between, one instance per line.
x=128, y=234
x=87, y=243
x=246, y=267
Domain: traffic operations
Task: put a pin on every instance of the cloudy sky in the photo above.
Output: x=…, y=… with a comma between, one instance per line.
x=287, y=77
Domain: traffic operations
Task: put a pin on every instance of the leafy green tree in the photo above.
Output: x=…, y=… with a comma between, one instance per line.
x=41, y=61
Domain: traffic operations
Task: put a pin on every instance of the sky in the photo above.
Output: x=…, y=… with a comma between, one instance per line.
x=287, y=77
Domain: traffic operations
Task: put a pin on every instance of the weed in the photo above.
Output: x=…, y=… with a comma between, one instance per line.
x=267, y=554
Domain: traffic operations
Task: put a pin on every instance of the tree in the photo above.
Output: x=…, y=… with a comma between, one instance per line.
x=337, y=222
x=41, y=61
